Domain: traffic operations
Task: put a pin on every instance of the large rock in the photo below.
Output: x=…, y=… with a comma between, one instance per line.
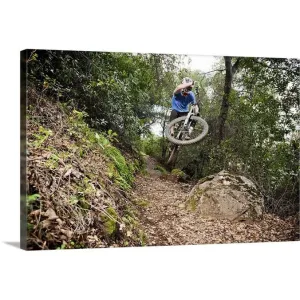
x=226, y=196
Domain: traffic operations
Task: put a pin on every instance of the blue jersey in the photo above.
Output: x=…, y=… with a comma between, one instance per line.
x=181, y=103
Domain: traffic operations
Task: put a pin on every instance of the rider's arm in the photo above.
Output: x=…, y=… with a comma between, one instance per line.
x=195, y=104
x=182, y=86
x=196, y=109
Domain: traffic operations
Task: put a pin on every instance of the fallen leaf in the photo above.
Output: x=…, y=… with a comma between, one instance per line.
x=68, y=173
x=77, y=174
x=35, y=212
x=67, y=233
x=50, y=213
x=46, y=223
x=59, y=221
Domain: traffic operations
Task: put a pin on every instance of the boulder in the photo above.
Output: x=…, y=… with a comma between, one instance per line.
x=226, y=196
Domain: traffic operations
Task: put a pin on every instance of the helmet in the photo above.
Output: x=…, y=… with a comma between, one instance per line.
x=187, y=80
x=189, y=88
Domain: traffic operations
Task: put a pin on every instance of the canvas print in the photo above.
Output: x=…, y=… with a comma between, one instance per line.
x=147, y=149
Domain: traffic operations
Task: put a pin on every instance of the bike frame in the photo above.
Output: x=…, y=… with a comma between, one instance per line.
x=187, y=120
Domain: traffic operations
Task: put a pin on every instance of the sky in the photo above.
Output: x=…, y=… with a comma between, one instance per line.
x=201, y=62
x=198, y=62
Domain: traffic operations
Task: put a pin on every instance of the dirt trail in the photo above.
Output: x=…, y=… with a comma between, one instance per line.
x=166, y=220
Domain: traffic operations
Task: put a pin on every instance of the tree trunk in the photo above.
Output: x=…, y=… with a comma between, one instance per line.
x=230, y=70
x=225, y=100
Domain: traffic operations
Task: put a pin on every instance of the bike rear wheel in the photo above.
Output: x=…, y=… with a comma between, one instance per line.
x=200, y=129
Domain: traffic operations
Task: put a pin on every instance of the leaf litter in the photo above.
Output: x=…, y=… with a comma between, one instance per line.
x=167, y=221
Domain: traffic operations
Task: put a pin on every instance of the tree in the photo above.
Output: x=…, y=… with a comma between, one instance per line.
x=118, y=91
x=230, y=71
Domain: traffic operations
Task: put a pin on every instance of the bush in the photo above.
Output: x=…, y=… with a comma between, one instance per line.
x=152, y=146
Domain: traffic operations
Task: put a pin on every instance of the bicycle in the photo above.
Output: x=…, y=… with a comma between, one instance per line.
x=188, y=130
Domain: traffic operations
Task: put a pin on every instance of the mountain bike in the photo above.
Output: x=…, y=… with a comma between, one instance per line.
x=188, y=130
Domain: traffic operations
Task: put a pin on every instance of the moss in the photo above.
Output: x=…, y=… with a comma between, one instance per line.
x=127, y=219
x=143, y=238
x=130, y=218
x=64, y=155
x=178, y=172
x=52, y=162
x=85, y=188
x=192, y=204
x=193, y=201
x=141, y=202
x=129, y=212
x=84, y=203
x=161, y=169
x=109, y=220
x=144, y=172
x=207, y=178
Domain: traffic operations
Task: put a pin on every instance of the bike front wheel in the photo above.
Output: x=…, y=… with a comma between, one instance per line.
x=200, y=130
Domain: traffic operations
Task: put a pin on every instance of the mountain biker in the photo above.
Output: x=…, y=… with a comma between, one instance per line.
x=181, y=99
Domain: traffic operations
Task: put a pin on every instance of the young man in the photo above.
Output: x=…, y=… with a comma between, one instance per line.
x=181, y=99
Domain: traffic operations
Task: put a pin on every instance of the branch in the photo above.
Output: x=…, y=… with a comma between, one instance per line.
x=213, y=71
x=236, y=65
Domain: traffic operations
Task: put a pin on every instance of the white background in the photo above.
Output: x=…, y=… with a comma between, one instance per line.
x=237, y=28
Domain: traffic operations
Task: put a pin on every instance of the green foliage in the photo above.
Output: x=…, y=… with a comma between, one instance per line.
x=52, y=161
x=112, y=136
x=32, y=198
x=152, y=145
x=41, y=137
x=117, y=90
x=259, y=133
x=30, y=227
x=119, y=170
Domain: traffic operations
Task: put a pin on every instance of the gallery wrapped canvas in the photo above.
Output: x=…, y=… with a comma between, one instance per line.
x=143, y=149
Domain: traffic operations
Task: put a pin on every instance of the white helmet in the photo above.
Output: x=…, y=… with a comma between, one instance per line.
x=187, y=80
x=186, y=91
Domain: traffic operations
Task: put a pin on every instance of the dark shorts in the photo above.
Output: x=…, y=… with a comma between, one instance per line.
x=176, y=114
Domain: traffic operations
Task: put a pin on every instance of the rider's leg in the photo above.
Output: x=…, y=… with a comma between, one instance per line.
x=193, y=123
x=174, y=115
